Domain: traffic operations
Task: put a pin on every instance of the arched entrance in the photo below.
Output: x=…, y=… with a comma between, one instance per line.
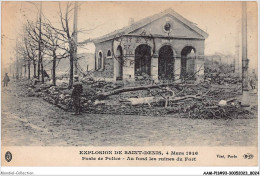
x=119, y=63
x=166, y=63
x=188, y=61
x=143, y=60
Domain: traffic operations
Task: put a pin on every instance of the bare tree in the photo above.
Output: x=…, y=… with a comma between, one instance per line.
x=35, y=43
x=53, y=39
x=22, y=58
x=30, y=48
x=65, y=35
x=53, y=44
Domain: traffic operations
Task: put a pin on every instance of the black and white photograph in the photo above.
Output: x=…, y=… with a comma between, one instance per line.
x=130, y=74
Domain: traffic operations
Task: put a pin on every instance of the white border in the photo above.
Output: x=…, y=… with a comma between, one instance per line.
x=123, y=170
x=130, y=170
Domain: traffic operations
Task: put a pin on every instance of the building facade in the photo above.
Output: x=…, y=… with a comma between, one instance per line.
x=165, y=46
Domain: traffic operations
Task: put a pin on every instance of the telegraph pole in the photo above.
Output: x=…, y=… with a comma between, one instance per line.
x=10, y=71
x=17, y=69
x=237, y=49
x=40, y=38
x=40, y=66
x=234, y=62
x=245, y=60
x=237, y=68
x=75, y=37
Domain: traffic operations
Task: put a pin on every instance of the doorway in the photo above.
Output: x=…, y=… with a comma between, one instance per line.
x=188, y=55
x=143, y=60
x=166, y=63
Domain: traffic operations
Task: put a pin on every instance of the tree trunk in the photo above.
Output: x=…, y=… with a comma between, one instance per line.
x=54, y=69
x=34, y=68
x=145, y=87
x=42, y=71
x=71, y=69
x=39, y=69
x=29, y=70
x=25, y=69
x=21, y=70
x=39, y=43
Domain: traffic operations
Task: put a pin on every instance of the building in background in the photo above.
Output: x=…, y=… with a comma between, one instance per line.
x=162, y=46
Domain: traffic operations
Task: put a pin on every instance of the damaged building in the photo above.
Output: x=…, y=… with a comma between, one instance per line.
x=165, y=46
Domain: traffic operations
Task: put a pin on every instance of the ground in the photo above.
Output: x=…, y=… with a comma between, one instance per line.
x=31, y=121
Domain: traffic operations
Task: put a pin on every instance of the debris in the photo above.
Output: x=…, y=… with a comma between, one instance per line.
x=187, y=99
x=222, y=103
x=97, y=102
x=141, y=100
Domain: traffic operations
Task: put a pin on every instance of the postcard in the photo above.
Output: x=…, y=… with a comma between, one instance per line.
x=117, y=83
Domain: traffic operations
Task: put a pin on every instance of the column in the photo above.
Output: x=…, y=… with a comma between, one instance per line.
x=177, y=68
x=154, y=67
x=129, y=68
x=199, y=68
x=115, y=69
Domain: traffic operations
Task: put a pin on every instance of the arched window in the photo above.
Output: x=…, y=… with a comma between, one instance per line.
x=109, y=55
x=99, y=61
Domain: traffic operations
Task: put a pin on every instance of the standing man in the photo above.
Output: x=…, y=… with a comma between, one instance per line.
x=76, y=93
x=6, y=80
x=253, y=80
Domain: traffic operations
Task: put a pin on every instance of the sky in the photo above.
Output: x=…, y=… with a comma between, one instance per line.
x=221, y=20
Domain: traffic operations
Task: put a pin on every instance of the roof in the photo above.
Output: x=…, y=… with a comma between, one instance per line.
x=126, y=30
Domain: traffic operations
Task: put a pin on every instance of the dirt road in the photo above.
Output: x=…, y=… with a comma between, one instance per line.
x=31, y=121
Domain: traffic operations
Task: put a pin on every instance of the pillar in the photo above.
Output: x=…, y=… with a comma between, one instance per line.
x=154, y=67
x=129, y=68
x=177, y=68
x=115, y=69
x=199, y=68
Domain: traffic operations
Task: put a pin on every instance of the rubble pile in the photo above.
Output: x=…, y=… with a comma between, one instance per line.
x=215, y=102
x=190, y=99
x=57, y=95
x=207, y=101
x=219, y=73
x=61, y=96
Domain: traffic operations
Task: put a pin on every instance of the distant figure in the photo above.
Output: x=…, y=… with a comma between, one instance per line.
x=6, y=80
x=76, y=94
x=253, y=80
x=252, y=84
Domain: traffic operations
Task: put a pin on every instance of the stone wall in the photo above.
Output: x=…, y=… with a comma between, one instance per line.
x=107, y=70
x=130, y=43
